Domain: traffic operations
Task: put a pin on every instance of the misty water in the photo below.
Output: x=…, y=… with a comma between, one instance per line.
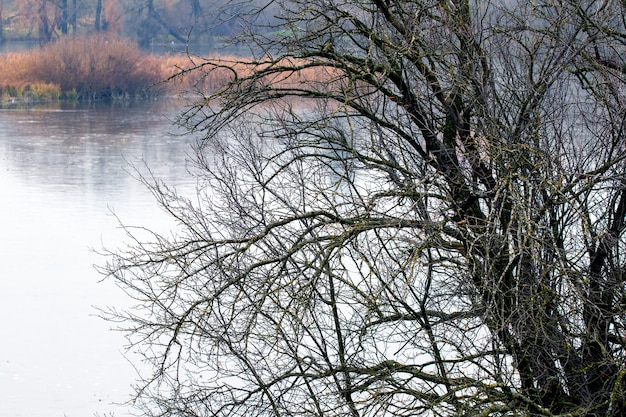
x=63, y=170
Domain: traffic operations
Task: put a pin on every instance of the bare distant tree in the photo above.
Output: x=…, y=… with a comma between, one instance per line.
x=46, y=18
x=98, y=16
x=64, y=17
x=404, y=208
x=3, y=18
x=38, y=16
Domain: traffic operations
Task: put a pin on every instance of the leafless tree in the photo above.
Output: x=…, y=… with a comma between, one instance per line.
x=404, y=208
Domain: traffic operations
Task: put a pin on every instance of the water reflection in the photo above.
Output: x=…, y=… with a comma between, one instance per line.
x=62, y=169
x=83, y=144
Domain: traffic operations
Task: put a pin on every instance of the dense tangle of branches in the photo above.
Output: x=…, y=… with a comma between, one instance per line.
x=405, y=208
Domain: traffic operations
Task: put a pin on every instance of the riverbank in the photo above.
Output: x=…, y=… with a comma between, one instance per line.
x=103, y=67
x=89, y=68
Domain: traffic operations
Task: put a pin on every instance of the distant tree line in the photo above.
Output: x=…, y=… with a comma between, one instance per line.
x=144, y=21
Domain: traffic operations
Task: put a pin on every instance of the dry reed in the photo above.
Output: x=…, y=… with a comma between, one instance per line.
x=103, y=67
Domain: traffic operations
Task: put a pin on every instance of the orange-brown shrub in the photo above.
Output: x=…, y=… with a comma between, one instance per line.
x=86, y=67
x=205, y=78
x=214, y=73
x=95, y=67
x=103, y=67
x=13, y=68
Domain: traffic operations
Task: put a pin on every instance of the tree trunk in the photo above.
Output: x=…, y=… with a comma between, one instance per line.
x=98, y=25
x=64, y=17
x=73, y=17
x=1, y=21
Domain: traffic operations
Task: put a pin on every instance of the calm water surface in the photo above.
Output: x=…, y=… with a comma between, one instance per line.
x=63, y=169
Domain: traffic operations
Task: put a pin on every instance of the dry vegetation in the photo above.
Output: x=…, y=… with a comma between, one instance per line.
x=96, y=67
x=101, y=67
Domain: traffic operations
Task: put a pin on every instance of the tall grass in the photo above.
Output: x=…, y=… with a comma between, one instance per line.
x=99, y=67
x=92, y=67
x=102, y=67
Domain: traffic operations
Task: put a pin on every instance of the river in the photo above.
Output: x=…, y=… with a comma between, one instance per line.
x=63, y=170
